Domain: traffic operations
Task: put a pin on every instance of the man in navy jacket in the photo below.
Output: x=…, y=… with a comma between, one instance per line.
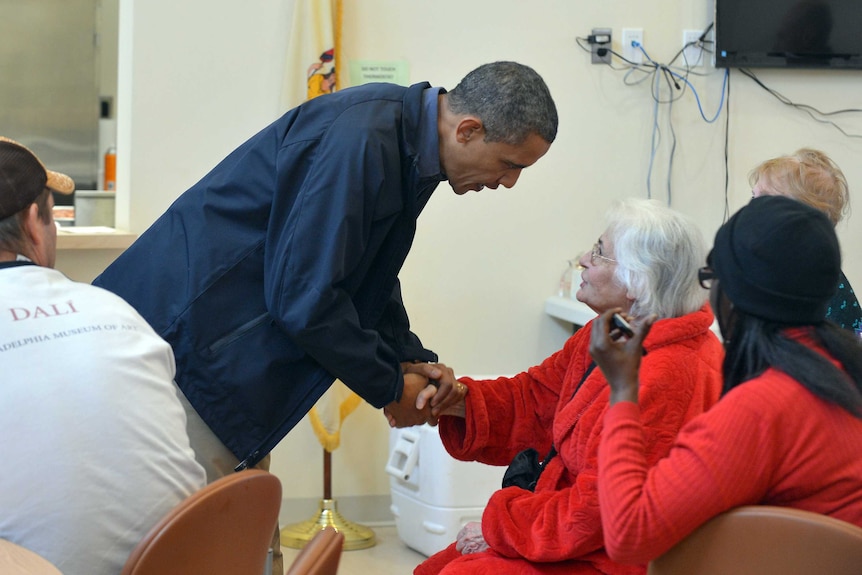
x=278, y=271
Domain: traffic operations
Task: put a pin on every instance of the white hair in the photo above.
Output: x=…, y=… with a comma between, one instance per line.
x=658, y=252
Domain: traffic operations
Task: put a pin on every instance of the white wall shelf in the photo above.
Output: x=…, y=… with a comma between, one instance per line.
x=99, y=239
x=569, y=310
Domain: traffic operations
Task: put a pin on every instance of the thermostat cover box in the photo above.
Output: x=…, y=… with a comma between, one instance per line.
x=433, y=494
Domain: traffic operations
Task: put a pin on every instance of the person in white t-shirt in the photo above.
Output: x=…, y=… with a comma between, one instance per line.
x=95, y=449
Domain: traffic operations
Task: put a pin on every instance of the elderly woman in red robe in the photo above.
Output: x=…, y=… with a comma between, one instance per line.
x=645, y=263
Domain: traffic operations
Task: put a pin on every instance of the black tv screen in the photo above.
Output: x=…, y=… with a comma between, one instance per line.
x=788, y=33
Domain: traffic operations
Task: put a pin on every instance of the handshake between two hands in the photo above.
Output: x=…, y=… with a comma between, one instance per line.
x=430, y=390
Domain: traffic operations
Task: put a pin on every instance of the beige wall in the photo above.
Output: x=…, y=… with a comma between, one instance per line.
x=198, y=77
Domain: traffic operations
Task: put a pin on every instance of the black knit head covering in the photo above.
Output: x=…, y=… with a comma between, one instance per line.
x=778, y=259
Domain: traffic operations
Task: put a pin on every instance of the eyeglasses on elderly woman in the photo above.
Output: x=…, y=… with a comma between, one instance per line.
x=596, y=253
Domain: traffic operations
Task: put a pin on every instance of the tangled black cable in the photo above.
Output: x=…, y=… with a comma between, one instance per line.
x=673, y=75
x=810, y=110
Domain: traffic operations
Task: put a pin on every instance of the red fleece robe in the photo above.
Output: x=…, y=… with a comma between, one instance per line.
x=557, y=529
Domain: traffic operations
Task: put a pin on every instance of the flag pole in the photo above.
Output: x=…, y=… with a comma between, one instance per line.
x=356, y=536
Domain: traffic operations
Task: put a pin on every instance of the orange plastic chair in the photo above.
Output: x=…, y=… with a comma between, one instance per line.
x=224, y=529
x=321, y=554
x=766, y=540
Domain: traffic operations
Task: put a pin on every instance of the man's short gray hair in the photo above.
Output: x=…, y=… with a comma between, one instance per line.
x=13, y=235
x=511, y=99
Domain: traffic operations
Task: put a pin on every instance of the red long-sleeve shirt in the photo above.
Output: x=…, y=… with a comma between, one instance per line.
x=769, y=441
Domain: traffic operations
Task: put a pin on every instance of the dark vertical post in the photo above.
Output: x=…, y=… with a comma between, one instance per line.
x=327, y=475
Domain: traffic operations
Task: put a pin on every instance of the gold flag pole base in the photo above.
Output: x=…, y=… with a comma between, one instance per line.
x=356, y=536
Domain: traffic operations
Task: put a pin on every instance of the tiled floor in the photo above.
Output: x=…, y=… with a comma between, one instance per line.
x=389, y=557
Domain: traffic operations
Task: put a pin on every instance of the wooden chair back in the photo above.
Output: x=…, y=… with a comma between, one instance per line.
x=766, y=540
x=321, y=554
x=224, y=529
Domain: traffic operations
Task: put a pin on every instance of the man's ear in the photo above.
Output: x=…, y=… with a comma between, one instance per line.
x=33, y=224
x=469, y=127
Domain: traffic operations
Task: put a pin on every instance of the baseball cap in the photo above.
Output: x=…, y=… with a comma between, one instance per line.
x=23, y=177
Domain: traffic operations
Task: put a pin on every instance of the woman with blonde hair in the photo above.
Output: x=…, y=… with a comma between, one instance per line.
x=811, y=177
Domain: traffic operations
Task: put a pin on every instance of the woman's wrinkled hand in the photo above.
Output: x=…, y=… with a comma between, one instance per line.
x=470, y=539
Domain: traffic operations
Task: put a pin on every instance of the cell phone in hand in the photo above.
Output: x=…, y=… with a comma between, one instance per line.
x=624, y=327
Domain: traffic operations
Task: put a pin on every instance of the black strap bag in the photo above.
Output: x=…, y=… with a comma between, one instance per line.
x=525, y=469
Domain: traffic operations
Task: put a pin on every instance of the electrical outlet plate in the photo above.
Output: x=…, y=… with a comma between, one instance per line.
x=692, y=55
x=601, y=59
x=631, y=53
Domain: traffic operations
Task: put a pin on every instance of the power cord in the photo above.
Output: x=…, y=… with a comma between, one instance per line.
x=727, y=155
x=810, y=110
x=675, y=78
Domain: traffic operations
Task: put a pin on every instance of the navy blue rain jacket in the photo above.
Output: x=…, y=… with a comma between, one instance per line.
x=277, y=272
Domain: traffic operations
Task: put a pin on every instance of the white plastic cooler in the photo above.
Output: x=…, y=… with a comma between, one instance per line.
x=434, y=495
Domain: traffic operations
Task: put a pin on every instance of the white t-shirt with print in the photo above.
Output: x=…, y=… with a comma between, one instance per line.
x=94, y=444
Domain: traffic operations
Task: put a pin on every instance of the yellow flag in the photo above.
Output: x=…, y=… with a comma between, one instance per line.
x=313, y=55
x=330, y=411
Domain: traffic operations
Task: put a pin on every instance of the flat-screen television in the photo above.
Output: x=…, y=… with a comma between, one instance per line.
x=788, y=33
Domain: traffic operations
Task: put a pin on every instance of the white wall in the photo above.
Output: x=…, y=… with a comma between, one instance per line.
x=198, y=77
